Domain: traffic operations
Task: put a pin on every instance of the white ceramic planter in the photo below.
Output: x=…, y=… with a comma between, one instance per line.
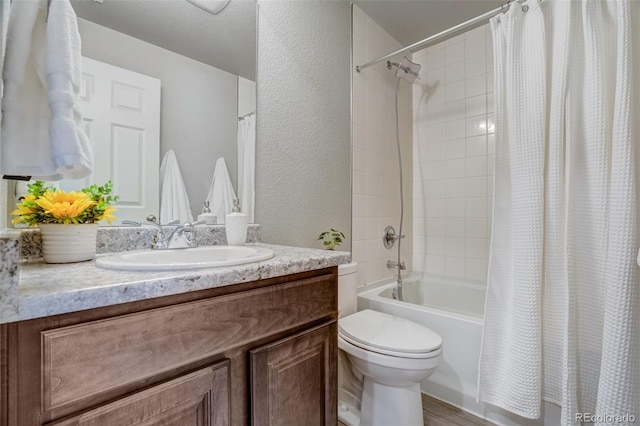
x=68, y=243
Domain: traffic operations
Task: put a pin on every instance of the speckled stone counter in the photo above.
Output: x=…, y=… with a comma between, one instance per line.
x=113, y=239
x=47, y=289
x=9, y=278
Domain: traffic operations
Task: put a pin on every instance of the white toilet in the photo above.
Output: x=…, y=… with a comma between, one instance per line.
x=392, y=354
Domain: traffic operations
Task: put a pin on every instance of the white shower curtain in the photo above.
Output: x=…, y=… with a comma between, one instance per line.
x=562, y=321
x=247, y=158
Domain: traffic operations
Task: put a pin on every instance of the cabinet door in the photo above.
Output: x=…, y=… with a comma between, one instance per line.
x=294, y=380
x=200, y=398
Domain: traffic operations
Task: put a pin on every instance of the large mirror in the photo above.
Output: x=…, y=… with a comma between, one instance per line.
x=172, y=73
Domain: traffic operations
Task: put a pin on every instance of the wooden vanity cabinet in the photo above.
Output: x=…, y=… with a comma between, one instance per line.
x=292, y=378
x=200, y=398
x=262, y=353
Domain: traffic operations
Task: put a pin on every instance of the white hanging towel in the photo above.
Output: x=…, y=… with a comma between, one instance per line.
x=70, y=147
x=174, y=202
x=41, y=133
x=4, y=24
x=25, y=107
x=247, y=146
x=221, y=193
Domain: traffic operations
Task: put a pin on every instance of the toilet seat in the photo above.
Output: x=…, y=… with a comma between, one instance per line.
x=389, y=335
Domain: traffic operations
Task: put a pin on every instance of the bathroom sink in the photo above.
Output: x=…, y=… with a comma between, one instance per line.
x=188, y=258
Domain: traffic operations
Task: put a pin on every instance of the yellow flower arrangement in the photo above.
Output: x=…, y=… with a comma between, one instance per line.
x=51, y=205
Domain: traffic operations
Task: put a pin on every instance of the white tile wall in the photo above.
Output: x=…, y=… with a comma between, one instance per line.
x=453, y=145
x=375, y=165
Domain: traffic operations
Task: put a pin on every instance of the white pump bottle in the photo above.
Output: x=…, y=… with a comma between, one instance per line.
x=236, y=226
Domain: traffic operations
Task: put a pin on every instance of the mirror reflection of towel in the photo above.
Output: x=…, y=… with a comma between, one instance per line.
x=221, y=193
x=174, y=202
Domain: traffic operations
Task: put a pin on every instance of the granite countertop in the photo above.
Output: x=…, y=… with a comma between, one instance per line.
x=50, y=289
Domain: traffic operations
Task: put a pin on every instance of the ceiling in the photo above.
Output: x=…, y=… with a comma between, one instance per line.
x=414, y=20
x=226, y=41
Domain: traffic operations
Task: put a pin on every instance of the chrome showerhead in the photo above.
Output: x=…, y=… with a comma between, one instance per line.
x=406, y=69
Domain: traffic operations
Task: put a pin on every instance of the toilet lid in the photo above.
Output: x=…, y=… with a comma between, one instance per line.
x=388, y=332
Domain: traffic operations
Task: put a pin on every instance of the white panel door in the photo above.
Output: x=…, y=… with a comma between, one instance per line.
x=121, y=116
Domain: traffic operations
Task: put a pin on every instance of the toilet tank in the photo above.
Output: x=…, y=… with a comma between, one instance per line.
x=347, y=289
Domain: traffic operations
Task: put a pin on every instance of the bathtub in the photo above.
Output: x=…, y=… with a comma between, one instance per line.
x=454, y=309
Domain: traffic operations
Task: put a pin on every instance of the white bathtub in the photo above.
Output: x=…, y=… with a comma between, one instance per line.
x=454, y=309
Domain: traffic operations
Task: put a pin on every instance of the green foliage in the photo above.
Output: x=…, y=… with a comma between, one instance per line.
x=37, y=188
x=32, y=213
x=103, y=198
x=331, y=238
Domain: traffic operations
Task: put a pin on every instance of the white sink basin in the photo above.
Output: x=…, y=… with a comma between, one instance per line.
x=189, y=258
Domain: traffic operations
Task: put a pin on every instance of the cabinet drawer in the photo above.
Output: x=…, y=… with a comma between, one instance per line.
x=83, y=361
x=197, y=399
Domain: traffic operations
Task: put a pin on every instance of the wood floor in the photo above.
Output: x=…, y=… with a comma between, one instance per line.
x=438, y=413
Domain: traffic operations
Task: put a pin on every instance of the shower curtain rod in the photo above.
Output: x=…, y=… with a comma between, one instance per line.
x=470, y=23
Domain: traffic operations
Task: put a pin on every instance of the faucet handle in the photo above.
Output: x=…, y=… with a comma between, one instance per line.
x=390, y=237
x=159, y=239
x=188, y=226
x=188, y=230
x=152, y=224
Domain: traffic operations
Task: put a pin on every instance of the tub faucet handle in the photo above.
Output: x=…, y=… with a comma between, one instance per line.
x=389, y=237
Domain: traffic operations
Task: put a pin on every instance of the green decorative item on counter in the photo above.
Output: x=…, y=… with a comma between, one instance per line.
x=331, y=238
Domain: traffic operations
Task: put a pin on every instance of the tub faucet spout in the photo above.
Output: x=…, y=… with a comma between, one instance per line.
x=396, y=265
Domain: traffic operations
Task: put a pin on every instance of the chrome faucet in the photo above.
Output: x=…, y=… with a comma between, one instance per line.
x=160, y=241
x=187, y=230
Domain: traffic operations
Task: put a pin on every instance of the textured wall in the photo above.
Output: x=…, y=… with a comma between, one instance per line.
x=303, y=120
x=635, y=30
x=5, y=207
x=199, y=104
